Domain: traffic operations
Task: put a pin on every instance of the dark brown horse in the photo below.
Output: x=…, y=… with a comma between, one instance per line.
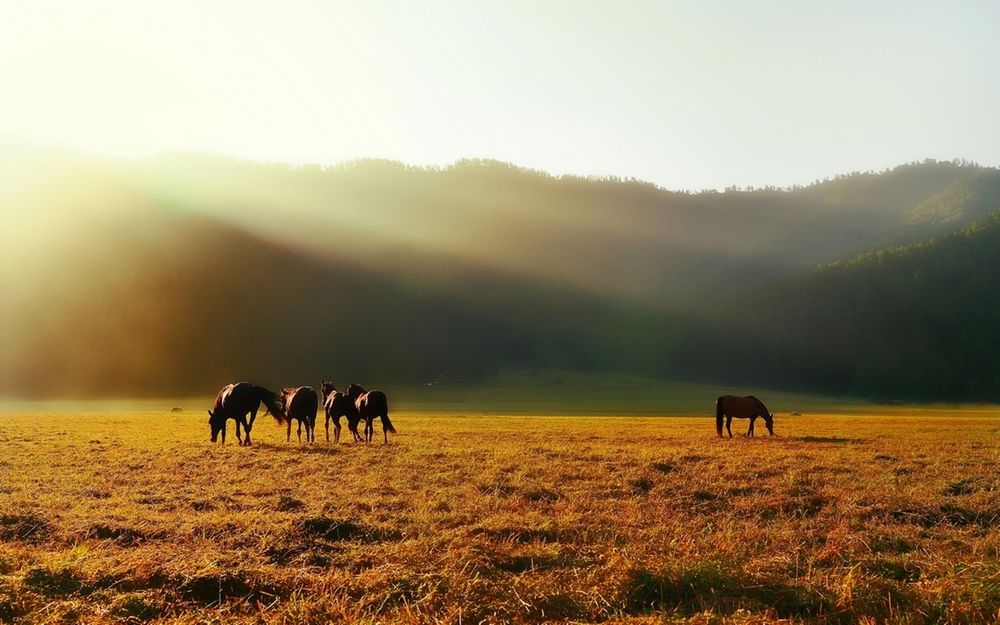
x=300, y=404
x=234, y=402
x=371, y=404
x=336, y=405
x=749, y=407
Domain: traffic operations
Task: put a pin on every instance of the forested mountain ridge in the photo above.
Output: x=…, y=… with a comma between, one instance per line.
x=919, y=321
x=609, y=236
x=173, y=274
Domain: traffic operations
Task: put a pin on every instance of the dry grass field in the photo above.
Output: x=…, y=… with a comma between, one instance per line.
x=135, y=517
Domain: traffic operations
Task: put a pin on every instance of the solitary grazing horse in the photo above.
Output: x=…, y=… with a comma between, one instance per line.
x=336, y=405
x=748, y=407
x=234, y=402
x=371, y=404
x=300, y=404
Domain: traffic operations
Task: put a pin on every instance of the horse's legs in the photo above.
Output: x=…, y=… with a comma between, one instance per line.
x=750, y=430
x=224, y=432
x=249, y=424
x=385, y=432
x=729, y=422
x=336, y=430
x=300, y=432
x=288, y=433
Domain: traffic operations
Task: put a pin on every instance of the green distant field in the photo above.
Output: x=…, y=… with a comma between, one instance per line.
x=571, y=392
x=554, y=392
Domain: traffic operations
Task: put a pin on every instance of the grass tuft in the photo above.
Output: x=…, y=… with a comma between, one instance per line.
x=52, y=582
x=28, y=526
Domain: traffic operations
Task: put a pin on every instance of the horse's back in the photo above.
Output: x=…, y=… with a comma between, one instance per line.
x=376, y=402
x=242, y=396
x=726, y=400
x=235, y=395
x=337, y=403
x=304, y=401
x=736, y=406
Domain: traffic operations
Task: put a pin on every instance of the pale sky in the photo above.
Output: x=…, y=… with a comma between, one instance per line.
x=685, y=94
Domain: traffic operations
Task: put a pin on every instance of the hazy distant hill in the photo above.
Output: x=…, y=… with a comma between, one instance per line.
x=179, y=273
x=605, y=236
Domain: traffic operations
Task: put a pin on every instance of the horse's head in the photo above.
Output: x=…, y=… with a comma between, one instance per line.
x=327, y=388
x=216, y=422
x=769, y=422
x=355, y=390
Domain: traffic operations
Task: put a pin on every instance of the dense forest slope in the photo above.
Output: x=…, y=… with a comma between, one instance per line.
x=921, y=321
x=176, y=274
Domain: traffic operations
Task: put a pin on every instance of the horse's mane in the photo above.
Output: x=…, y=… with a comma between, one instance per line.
x=355, y=390
x=224, y=393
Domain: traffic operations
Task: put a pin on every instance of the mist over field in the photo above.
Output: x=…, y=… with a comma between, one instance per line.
x=179, y=273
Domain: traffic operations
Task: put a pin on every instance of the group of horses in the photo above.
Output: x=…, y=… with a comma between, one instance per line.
x=243, y=399
x=241, y=402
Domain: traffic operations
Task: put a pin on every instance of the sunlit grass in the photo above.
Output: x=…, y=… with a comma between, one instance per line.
x=131, y=517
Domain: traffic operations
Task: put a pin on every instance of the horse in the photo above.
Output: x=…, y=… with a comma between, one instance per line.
x=371, y=404
x=336, y=405
x=748, y=407
x=234, y=402
x=300, y=404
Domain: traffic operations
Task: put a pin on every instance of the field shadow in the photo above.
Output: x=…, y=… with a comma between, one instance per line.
x=28, y=526
x=832, y=440
x=521, y=535
x=696, y=587
x=321, y=449
x=334, y=529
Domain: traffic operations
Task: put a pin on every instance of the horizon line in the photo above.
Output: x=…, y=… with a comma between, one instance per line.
x=18, y=145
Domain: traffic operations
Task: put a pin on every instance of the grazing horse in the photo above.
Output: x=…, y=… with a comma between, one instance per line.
x=336, y=405
x=234, y=402
x=300, y=404
x=371, y=404
x=748, y=407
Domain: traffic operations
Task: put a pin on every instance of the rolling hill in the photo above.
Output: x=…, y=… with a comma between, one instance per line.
x=173, y=274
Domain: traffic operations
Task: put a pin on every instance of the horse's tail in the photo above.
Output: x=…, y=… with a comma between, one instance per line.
x=379, y=404
x=718, y=415
x=387, y=424
x=272, y=404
